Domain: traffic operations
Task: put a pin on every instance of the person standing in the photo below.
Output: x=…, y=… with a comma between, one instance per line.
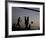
x=26, y=22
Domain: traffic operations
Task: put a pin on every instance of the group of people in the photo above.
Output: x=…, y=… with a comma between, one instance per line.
x=26, y=19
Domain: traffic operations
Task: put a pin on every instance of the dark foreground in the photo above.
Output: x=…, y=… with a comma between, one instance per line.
x=14, y=28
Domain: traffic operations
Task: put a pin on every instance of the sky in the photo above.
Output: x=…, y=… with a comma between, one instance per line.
x=33, y=16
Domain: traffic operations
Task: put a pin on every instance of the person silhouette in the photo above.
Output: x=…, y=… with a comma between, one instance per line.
x=18, y=23
x=26, y=22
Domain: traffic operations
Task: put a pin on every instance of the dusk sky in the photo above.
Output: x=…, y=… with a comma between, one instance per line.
x=33, y=16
